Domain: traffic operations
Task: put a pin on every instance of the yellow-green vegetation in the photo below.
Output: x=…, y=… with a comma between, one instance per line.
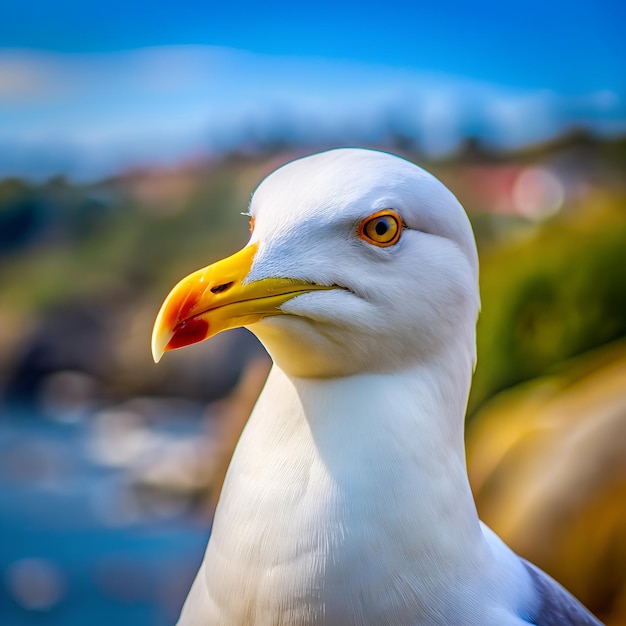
x=134, y=241
x=550, y=293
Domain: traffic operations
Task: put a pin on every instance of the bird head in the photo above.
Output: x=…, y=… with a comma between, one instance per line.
x=358, y=261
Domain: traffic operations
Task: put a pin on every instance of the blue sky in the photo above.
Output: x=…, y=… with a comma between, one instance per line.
x=571, y=45
x=80, y=76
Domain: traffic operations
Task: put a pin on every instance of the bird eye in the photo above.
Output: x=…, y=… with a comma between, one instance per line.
x=381, y=229
x=251, y=224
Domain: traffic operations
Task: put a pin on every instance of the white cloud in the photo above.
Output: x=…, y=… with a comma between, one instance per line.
x=25, y=77
x=158, y=103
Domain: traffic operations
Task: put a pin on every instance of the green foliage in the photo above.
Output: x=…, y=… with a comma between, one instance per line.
x=552, y=294
x=105, y=239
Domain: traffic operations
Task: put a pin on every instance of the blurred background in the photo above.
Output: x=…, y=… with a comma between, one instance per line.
x=131, y=138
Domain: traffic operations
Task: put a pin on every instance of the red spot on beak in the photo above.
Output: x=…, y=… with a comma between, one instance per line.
x=190, y=331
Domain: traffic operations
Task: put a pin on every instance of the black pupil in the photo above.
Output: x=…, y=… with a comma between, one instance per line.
x=381, y=227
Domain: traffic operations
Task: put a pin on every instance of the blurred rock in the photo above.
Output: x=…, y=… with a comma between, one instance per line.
x=180, y=467
x=547, y=462
x=67, y=396
x=118, y=437
x=194, y=468
x=84, y=352
x=73, y=337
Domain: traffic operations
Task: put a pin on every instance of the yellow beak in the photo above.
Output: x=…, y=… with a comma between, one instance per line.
x=216, y=298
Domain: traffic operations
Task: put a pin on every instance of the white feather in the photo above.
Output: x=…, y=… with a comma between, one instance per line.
x=347, y=499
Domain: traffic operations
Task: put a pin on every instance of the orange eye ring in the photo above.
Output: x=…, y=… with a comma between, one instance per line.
x=251, y=224
x=382, y=229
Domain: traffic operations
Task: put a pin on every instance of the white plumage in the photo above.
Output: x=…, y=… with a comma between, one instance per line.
x=347, y=499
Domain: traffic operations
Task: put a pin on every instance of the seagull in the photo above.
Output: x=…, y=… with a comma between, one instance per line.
x=347, y=500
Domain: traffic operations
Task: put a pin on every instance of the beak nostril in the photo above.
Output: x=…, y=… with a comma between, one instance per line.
x=220, y=288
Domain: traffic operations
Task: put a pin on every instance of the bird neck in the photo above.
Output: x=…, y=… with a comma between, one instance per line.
x=392, y=442
x=346, y=484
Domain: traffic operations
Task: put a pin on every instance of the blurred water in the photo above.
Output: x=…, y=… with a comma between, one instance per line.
x=79, y=544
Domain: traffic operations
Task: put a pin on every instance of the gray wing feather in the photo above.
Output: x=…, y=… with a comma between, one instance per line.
x=556, y=606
